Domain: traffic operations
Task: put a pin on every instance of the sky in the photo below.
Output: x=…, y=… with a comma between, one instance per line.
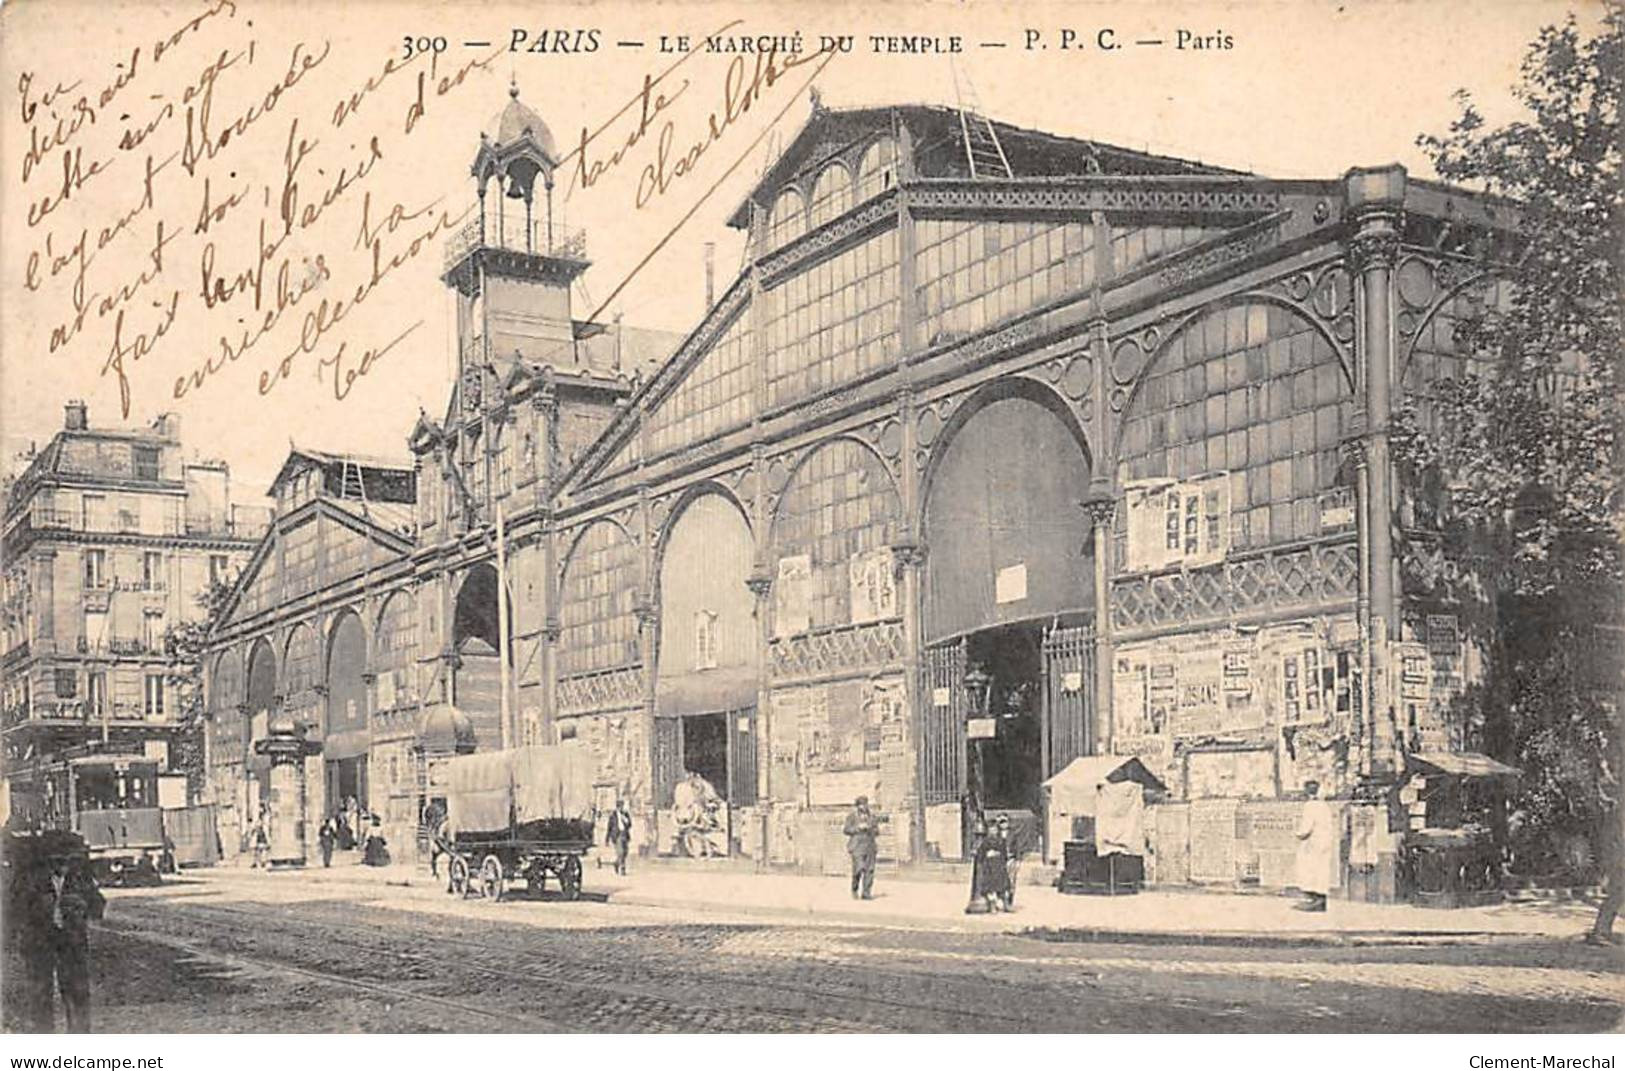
x=1290, y=90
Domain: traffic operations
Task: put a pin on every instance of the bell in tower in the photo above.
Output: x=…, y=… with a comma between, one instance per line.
x=513, y=262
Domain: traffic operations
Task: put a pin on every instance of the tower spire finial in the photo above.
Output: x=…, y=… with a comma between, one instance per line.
x=513, y=85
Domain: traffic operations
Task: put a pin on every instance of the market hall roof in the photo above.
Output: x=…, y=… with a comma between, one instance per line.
x=939, y=142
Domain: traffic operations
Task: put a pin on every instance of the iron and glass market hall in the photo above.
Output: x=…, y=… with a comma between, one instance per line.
x=1003, y=449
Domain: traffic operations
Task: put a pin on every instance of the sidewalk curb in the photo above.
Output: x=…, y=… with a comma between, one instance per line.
x=1009, y=925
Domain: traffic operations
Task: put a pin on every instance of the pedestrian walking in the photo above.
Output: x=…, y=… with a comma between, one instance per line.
x=990, y=872
x=326, y=837
x=861, y=828
x=1317, y=849
x=1613, y=858
x=619, y=834
x=262, y=838
x=439, y=836
x=63, y=899
x=376, y=850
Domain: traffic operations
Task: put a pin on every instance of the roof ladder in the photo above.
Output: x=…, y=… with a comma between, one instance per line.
x=983, y=152
x=353, y=485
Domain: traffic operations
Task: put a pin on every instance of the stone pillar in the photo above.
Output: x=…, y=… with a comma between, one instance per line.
x=1375, y=202
x=909, y=555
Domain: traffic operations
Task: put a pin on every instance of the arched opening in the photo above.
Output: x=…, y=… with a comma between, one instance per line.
x=346, y=738
x=706, y=687
x=476, y=637
x=789, y=218
x=1008, y=601
x=832, y=195
x=259, y=701
x=877, y=171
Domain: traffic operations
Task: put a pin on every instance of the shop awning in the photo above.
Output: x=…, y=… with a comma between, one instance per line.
x=707, y=692
x=1462, y=764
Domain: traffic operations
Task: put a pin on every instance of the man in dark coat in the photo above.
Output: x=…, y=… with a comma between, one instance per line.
x=860, y=829
x=60, y=899
x=619, y=834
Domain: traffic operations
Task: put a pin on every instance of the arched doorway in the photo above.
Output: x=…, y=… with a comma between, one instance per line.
x=476, y=686
x=706, y=685
x=1008, y=598
x=345, y=739
x=260, y=703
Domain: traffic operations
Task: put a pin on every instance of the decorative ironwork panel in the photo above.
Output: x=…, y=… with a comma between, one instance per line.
x=942, y=718
x=1069, y=695
x=832, y=651
x=1297, y=577
x=615, y=689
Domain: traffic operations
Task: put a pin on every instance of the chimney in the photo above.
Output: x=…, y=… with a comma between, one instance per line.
x=710, y=274
x=77, y=417
x=168, y=426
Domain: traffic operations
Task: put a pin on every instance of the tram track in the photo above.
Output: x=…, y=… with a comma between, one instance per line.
x=868, y=1001
x=392, y=993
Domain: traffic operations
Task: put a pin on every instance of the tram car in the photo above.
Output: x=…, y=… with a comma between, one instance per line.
x=109, y=800
x=519, y=815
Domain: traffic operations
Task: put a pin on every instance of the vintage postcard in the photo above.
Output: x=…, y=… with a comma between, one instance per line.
x=924, y=517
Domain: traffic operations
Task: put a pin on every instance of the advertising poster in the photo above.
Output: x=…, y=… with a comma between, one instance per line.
x=792, y=610
x=873, y=585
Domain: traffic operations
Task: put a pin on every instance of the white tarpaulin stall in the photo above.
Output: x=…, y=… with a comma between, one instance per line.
x=487, y=791
x=1075, y=792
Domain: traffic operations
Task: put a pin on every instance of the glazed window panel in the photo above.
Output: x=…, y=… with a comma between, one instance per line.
x=303, y=667
x=1256, y=392
x=789, y=218
x=1134, y=246
x=832, y=195
x=838, y=505
x=834, y=322
x=299, y=559
x=975, y=274
x=877, y=171
x=714, y=397
x=396, y=653
x=598, y=629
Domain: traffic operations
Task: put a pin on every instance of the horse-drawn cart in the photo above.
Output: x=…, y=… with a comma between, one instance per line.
x=518, y=815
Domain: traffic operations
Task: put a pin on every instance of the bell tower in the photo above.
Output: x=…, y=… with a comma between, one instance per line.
x=512, y=263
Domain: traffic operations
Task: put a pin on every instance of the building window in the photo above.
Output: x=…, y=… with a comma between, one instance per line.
x=96, y=694
x=152, y=632
x=146, y=462
x=600, y=630
x=95, y=569
x=94, y=512
x=789, y=218
x=832, y=195
x=155, y=695
x=152, y=570
x=878, y=170
x=67, y=684
x=219, y=566
x=705, y=639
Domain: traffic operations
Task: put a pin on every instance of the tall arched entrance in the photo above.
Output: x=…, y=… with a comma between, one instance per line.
x=1008, y=600
x=259, y=699
x=345, y=738
x=707, y=681
x=476, y=687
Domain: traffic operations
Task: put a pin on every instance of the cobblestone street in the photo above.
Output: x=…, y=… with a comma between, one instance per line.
x=250, y=953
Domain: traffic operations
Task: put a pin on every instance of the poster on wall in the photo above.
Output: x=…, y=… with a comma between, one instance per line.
x=1213, y=840
x=1199, y=710
x=784, y=743
x=792, y=604
x=1129, y=703
x=1241, y=708
x=873, y=586
x=1162, y=695
x=1147, y=546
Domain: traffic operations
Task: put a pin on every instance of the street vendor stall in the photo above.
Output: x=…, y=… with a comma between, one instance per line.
x=1449, y=857
x=1095, y=823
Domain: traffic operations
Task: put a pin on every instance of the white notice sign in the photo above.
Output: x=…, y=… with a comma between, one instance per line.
x=982, y=728
x=1010, y=585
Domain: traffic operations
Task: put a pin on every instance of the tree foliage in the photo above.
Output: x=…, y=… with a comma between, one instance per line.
x=1523, y=447
x=184, y=647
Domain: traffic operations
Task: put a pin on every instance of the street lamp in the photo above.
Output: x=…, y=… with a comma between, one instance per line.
x=978, y=688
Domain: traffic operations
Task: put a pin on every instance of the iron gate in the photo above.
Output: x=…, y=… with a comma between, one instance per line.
x=942, y=743
x=1069, y=696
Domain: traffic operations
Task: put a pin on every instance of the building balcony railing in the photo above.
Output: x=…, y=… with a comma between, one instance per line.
x=119, y=645
x=228, y=528
x=514, y=235
x=82, y=710
x=244, y=525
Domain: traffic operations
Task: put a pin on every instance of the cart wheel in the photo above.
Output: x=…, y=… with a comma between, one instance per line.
x=570, y=877
x=491, y=879
x=458, y=875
